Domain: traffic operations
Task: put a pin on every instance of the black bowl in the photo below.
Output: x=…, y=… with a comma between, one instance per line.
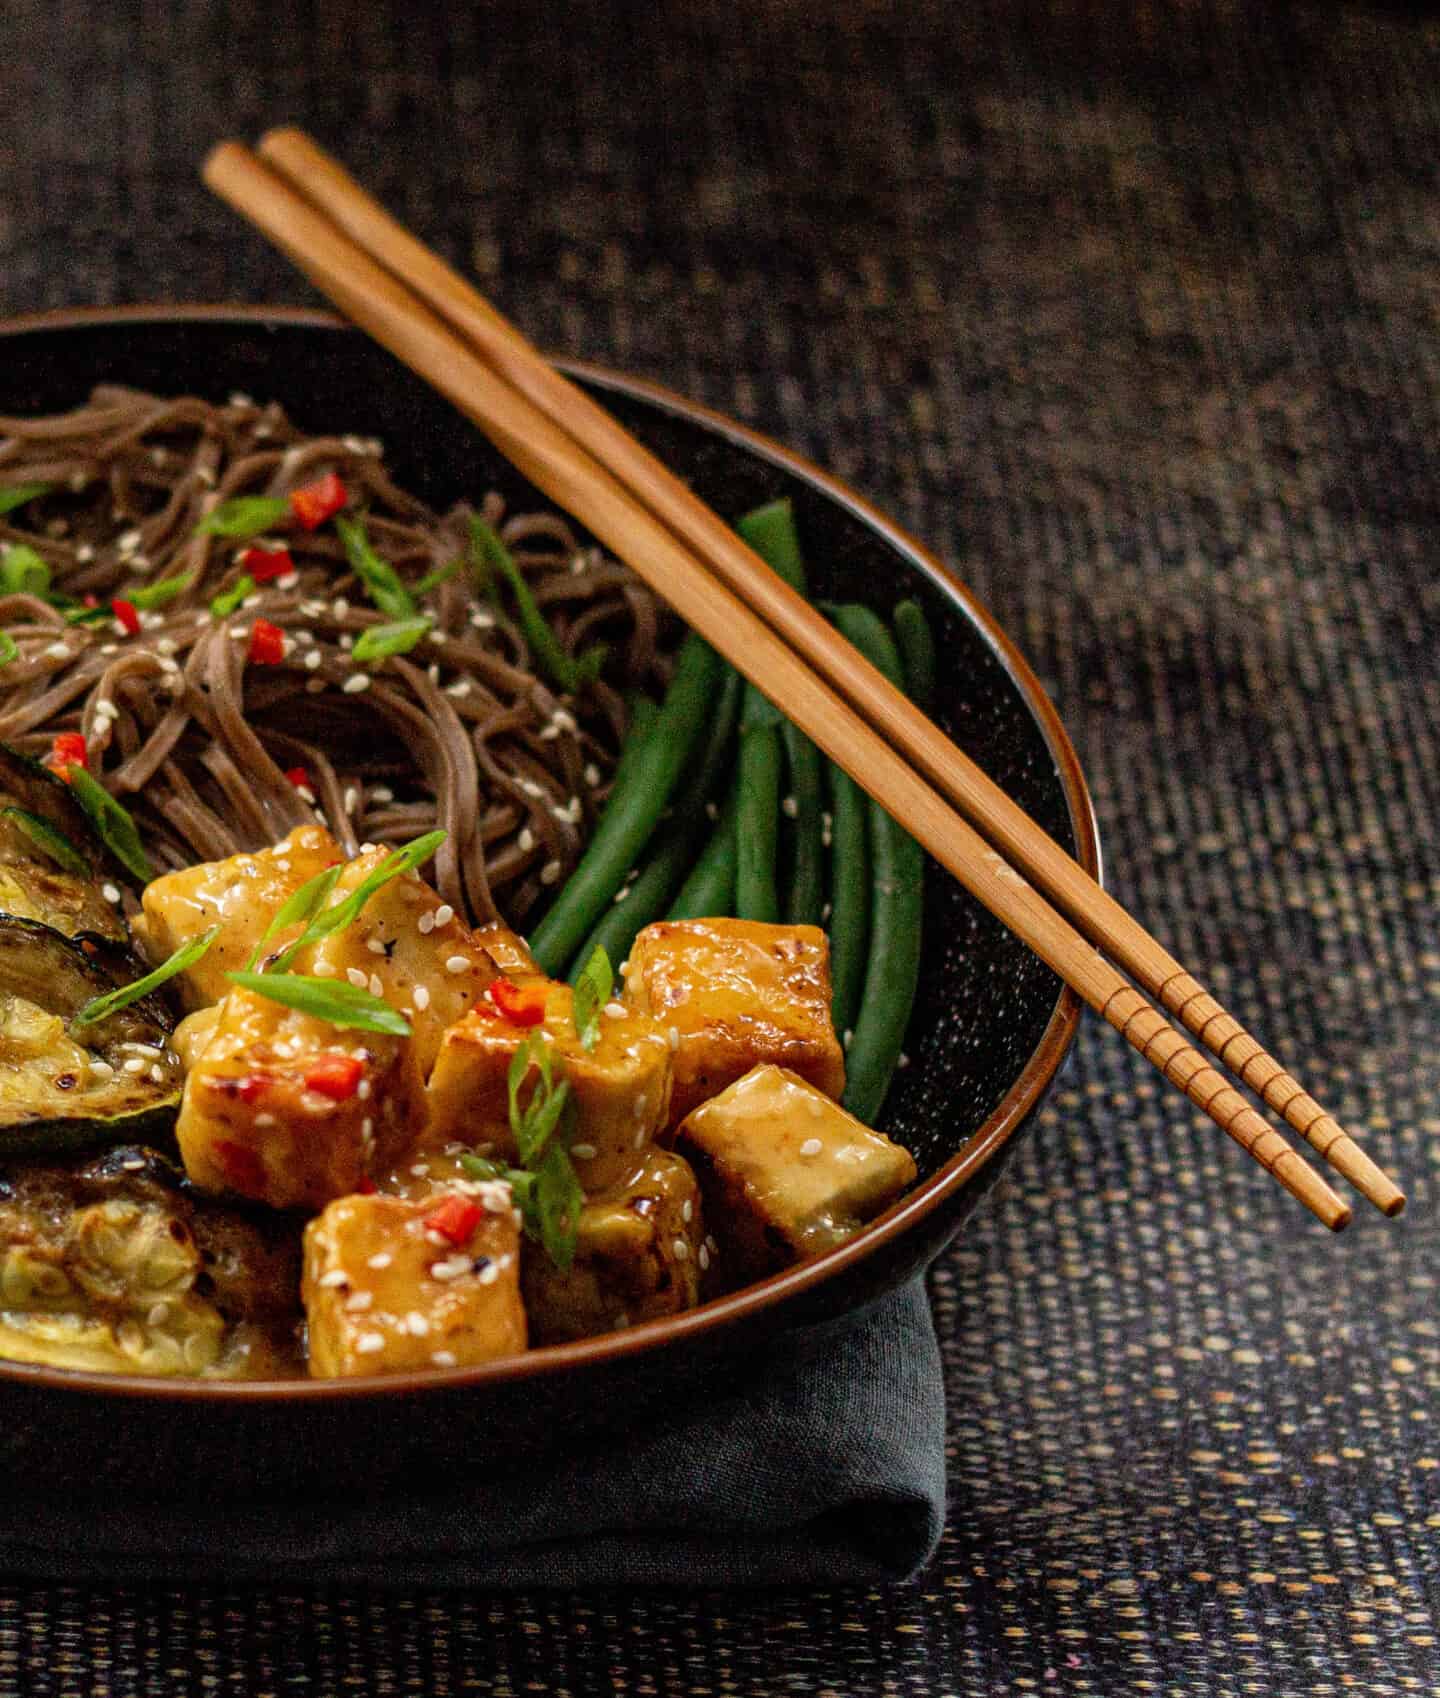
x=991, y=1025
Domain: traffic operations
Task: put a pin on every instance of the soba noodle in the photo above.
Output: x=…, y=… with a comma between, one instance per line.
x=460, y=733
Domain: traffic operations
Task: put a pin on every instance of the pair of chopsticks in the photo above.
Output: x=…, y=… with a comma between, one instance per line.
x=570, y=448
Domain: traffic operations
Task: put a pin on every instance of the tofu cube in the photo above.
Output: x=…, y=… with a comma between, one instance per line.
x=785, y=1173
x=241, y=895
x=385, y=1295
x=621, y=1088
x=250, y=1123
x=736, y=993
x=640, y=1254
x=407, y=947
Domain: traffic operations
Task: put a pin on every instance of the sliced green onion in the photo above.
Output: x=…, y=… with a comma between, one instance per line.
x=298, y=908
x=8, y=651
x=556, y=1205
x=19, y=493
x=381, y=580
x=326, y=921
x=229, y=600
x=335, y=1000
x=23, y=571
x=45, y=837
x=592, y=992
x=490, y=556
x=145, y=596
x=113, y=1001
x=378, y=641
x=244, y=516
x=112, y=823
x=441, y=575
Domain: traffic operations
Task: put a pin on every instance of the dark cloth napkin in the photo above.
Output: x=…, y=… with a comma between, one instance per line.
x=830, y=1470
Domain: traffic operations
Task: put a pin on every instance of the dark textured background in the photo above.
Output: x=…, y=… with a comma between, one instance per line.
x=1131, y=312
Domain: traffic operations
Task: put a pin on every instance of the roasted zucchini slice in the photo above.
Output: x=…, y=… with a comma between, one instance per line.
x=52, y=866
x=63, y=1086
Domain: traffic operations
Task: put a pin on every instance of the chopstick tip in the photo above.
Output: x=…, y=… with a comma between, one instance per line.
x=276, y=140
x=221, y=160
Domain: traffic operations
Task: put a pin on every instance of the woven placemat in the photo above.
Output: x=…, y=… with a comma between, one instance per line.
x=1131, y=312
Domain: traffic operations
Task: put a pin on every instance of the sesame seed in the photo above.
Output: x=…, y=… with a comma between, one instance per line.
x=550, y=872
x=339, y=607
x=367, y=1127
x=110, y=892
x=681, y=1249
x=369, y=1342
x=375, y=987
x=382, y=793
x=443, y=1358
x=313, y=686
x=846, y=1040
x=687, y=1211
x=426, y=924
x=703, y=1257
x=457, y=964
x=422, y=997
x=462, y=687
x=417, y=1324
x=711, y=1245
x=616, y=1010
x=336, y=1276
x=525, y=842
x=583, y=1152
x=356, y=978
x=61, y=651
x=351, y=799
x=674, y=1037
x=323, y=970
x=453, y=1267
x=481, y=620
x=444, y=914
x=134, y=1066
x=489, y=1274
x=375, y=945
x=903, y=1060
x=358, y=1300
x=591, y=774
x=811, y=1147
x=381, y=1259
x=355, y=683
x=264, y=1119
x=790, y=808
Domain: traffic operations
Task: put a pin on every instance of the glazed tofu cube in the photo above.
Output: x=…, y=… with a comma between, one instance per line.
x=640, y=1254
x=508, y=950
x=291, y=1111
x=240, y=895
x=621, y=1088
x=785, y=1172
x=408, y=947
x=385, y=1293
x=736, y=993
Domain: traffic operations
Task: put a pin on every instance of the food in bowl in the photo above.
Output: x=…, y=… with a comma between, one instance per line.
x=380, y=1099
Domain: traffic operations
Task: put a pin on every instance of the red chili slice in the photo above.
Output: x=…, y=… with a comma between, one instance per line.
x=298, y=777
x=335, y=1076
x=128, y=616
x=455, y=1219
x=521, y=1005
x=263, y=564
x=267, y=643
x=313, y=503
x=66, y=751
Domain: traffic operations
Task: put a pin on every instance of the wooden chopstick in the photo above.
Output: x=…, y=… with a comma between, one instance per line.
x=1093, y=911
x=556, y=464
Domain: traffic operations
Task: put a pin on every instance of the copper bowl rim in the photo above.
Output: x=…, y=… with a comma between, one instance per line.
x=980, y=1148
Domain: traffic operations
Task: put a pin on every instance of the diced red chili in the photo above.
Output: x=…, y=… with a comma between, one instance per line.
x=243, y=1168
x=335, y=1076
x=253, y=1085
x=263, y=564
x=455, y=1219
x=267, y=643
x=521, y=1005
x=66, y=751
x=298, y=777
x=314, y=503
x=127, y=616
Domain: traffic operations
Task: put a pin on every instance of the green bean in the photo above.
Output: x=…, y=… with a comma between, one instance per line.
x=643, y=782
x=917, y=651
x=710, y=888
x=770, y=531
x=757, y=819
x=675, y=847
x=898, y=865
x=848, y=921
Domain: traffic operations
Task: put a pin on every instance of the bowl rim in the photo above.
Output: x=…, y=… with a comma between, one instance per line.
x=979, y=1150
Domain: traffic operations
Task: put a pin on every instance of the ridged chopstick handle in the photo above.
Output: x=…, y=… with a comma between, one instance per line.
x=1183, y=1065
x=1224, y=1036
